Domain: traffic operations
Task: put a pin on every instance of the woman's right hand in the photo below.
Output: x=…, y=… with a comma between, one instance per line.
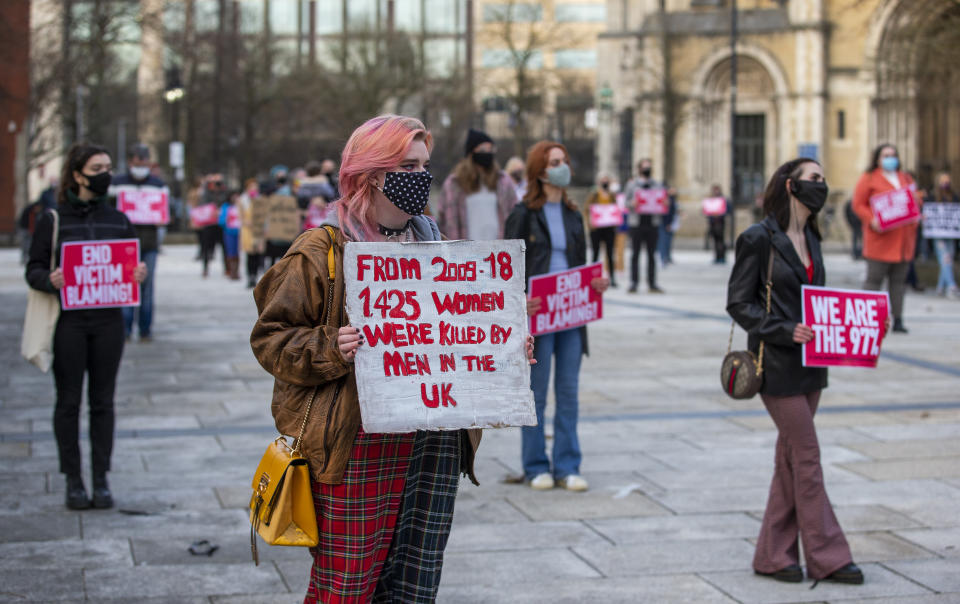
x=802, y=333
x=875, y=224
x=533, y=306
x=56, y=279
x=349, y=339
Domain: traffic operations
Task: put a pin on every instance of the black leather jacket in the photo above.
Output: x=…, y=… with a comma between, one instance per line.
x=531, y=226
x=784, y=373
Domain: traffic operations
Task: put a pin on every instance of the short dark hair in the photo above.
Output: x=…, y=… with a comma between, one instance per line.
x=77, y=157
x=875, y=162
x=138, y=150
x=313, y=168
x=776, y=199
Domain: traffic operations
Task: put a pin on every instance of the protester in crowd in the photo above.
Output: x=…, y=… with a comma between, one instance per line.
x=211, y=235
x=315, y=189
x=717, y=227
x=252, y=221
x=477, y=196
x=85, y=341
x=888, y=253
x=602, y=195
x=329, y=169
x=668, y=226
x=384, y=502
x=856, y=230
x=516, y=169
x=798, y=506
x=644, y=228
x=27, y=221
x=229, y=222
x=138, y=177
x=623, y=231
x=195, y=196
x=552, y=227
x=943, y=248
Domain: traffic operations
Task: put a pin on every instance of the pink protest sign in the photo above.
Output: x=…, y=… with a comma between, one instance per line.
x=99, y=274
x=605, y=215
x=144, y=205
x=204, y=215
x=848, y=326
x=714, y=206
x=650, y=201
x=567, y=299
x=895, y=208
x=233, y=218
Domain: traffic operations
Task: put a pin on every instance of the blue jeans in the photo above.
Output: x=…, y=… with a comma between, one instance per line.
x=145, y=311
x=567, y=348
x=665, y=244
x=944, y=248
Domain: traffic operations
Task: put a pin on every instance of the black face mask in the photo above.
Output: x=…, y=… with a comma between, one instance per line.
x=605, y=186
x=516, y=176
x=646, y=172
x=484, y=159
x=281, y=180
x=811, y=194
x=99, y=184
x=409, y=191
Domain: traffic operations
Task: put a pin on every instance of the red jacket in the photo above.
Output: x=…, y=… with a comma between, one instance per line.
x=895, y=245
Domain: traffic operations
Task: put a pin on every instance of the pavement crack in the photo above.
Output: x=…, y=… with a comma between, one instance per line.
x=588, y=563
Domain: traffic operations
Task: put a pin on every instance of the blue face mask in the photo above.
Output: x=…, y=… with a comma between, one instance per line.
x=559, y=176
x=890, y=164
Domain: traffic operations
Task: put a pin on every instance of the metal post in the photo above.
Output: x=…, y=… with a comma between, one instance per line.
x=733, y=119
x=121, y=145
x=81, y=128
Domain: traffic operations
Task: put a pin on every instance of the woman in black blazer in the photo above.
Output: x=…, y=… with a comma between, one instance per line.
x=798, y=505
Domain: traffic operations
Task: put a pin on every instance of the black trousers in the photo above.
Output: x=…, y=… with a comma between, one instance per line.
x=719, y=246
x=210, y=237
x=608, y=236
x=254, y=263
x=91, y=342
x=640, y=236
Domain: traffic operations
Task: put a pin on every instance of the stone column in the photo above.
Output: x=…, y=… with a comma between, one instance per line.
x=151, y=128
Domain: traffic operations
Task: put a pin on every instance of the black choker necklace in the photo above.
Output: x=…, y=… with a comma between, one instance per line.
x=388, y=232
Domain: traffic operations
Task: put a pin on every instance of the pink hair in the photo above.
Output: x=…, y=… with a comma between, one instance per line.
x=381, y=143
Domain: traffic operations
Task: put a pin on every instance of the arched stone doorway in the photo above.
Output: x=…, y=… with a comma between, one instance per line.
x=917, y=76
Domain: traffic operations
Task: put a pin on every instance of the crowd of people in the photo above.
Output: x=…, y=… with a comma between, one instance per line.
x=304, y=339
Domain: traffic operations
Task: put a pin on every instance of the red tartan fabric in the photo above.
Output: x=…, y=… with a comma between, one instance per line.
x=356, y=519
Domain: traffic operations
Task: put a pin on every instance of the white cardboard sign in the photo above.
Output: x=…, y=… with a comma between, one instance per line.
x=445, y=329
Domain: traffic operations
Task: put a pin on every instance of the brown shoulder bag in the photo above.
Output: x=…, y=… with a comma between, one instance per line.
x=741, y=374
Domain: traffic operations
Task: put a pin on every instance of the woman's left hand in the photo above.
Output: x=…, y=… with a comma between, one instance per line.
x=887, y=326
x=600, y=284
x=140, y=273
x=530, y=358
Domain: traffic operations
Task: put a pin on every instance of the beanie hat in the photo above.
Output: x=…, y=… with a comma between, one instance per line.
x=475, y=138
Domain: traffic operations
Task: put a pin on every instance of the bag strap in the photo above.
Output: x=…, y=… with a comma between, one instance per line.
x=53, y=245
x=332, y=276
x=769, y=286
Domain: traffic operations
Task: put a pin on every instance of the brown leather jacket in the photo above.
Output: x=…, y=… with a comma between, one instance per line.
x=295, y=340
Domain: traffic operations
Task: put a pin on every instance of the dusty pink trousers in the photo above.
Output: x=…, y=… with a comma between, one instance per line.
x=798, y=506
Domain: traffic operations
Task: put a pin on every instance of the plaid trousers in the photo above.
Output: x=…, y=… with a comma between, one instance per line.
x=384, y=528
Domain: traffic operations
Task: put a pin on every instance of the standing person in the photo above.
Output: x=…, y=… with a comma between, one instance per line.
x=798, y=506
x=139, y=179
x=888, y=253
x=552, y=227
x=717, y=227
x=211, y=235
x=195, y=198
x=27, y=222
x=477, y=196
x=329, y=169
x=644, y=229
x=252, y=220
x=515, y=168
x=669, y=223
x=607, y=235
x=85, y=341
x=856, y=230
x=384, y=502
x=230, y=226
x=315, y=193
x=944, y=193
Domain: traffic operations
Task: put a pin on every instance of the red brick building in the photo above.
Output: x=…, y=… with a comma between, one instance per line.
x=14, y=109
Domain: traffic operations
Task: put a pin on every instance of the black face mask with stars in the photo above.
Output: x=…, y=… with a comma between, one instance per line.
x=409, y=191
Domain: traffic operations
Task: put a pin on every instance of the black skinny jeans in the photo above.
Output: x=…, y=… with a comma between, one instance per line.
x=91, y=342
x=608, y=236
x=719, y=247
x=645, y=235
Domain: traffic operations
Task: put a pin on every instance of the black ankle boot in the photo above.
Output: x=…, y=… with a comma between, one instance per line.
x=76, y=494
x=102, y=498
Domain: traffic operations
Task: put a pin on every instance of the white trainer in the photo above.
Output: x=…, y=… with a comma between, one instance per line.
x=574, y=482
x=541, y=482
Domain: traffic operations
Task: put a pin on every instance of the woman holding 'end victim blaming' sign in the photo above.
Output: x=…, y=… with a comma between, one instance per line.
x=798, y=506
x=384, y=502
x=552, y=227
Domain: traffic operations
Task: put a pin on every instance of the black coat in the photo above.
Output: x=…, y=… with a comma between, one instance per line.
x=784, y=373
x=531, y=226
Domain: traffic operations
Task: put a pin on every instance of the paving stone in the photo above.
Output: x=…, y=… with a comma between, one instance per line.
x=860, y=518
x=943, y=542
x=280, y=598
x=931, y=512
x=522, y=536
x=937, y=574
x=508, y=568
x=181, y=580
x=909, y=449
x=687, y=527
x=192, y=524
x=937, y=467
x=51, y=584
x=296, y=574
x=558, y=504
x=39, y=527
x=931, y=599
x=879, y=547
x=232, y=548
x=668, y=557
x=65, y=553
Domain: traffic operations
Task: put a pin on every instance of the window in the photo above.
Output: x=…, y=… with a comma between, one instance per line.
x=444, y=16
x=841, y=124
x=362, y=14
x=407, y=15
x=251, y=17
x=174, y=18
x=494, y=58
x=519, y=12
x=283, y=17
x=576, y=59
x=206, y=15
x=440, y=56
x=581, y=13
x=329, y=16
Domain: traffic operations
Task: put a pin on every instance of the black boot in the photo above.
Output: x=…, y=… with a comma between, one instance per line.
x=76, y=494
x=102, y=498
x=898, y=326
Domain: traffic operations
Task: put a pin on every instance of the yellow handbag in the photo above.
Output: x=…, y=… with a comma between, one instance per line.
x=281, y=508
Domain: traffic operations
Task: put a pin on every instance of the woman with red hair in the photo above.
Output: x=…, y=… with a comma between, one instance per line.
x=553, y=230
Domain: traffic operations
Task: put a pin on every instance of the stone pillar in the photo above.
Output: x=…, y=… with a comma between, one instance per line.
x=151, y=128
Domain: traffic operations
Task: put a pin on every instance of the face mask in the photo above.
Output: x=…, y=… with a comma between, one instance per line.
x=409, y=191
x=811, y=194
x=99, y=184
x=646, y=172
x=139, y=172
x=615, y=187
x=516, y=176
x=945, y=185
x=559, y=176
x=281, y=180
x=890, y=164
x=483, y=159
x=605, y=186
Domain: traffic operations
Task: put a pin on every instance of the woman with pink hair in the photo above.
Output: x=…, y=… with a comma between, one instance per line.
x=384, y=502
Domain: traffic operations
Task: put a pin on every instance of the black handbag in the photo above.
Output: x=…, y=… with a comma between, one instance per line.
x=741, y=374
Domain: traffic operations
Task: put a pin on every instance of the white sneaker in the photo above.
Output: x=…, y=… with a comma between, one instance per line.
x=541, y=482
x=574, y=482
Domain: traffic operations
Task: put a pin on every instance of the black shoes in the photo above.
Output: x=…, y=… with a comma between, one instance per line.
x=76, y=494
x=655, y=290
x=898, y=326
x=102, y=498
x=633, y=289
x=787, y=574
x=850, y=574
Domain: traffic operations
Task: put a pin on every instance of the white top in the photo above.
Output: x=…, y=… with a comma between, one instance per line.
x=483, y=224
x=892, y=178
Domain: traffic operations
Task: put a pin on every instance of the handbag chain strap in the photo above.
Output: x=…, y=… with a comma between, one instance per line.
x=769, y=285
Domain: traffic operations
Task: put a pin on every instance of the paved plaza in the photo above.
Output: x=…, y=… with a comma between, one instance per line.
x=678, y=472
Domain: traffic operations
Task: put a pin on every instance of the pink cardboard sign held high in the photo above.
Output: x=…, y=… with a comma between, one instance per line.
x=714, y=206
x=99, y=274
x=144, y=206
x=848, y=326
x=567, y=299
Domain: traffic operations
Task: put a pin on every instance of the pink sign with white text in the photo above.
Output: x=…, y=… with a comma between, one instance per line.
x=714, y=206
x=605, y=215
x=99, y=274
x=567, y=300
x=848, y=326
x=895, y=208
x=650, y=201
